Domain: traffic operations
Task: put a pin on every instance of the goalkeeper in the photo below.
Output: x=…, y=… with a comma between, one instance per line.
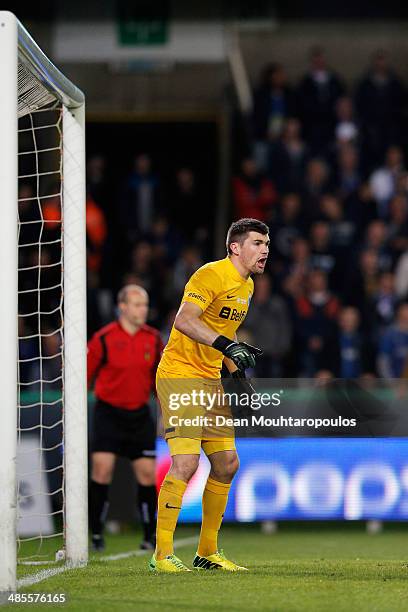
x=215, y=302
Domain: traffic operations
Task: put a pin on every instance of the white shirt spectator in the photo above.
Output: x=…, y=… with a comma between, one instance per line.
x=382, y=184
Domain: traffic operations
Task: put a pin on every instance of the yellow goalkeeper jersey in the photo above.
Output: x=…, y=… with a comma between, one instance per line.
x=224, y=297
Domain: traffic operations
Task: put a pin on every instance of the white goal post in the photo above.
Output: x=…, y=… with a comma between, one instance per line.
x=30, y=83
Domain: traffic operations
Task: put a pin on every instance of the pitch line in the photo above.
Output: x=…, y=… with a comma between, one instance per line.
x=49, y=573
x=40, y=576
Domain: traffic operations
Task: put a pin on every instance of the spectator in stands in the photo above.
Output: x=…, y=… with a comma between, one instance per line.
x=165, y=240
x=254, y=194
x=380, y=97
x=398, y=226
x=145, y=268
x=140, y=199
x=393, y=348
x=100, y=189
x=97, y=183
x=348, y=177
x=300, y=256
x=376, y=238
x=188, y=262
x=383, y=304
x=342, y=230
x=346, y=130
x=286, y=227
x=142, y=259
x=316, y=183
x=401, y=276
x=361, y=282
x=297, y=270
x=348, y=353
x=315, y=311
x=355, y=195
x=318, y=93
x=384, y=180
x=185, y=198
x=96, y=232
x=287, y=158
x=323, y=256
x=274, y=335
x=274, y=102
x=361, y=209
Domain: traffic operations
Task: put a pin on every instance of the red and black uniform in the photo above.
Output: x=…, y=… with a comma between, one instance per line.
x=124, y=369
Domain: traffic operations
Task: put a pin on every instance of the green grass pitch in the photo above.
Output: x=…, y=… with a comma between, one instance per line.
x=316, y=567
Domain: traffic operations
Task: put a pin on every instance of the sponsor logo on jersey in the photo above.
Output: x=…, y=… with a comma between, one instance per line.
x=232, y=314
x=196, y=296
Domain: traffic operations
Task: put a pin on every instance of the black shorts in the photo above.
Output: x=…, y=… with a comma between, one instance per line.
x=127, y=433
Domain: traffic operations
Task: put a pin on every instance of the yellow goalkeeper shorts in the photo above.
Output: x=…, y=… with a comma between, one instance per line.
x=195, y=414
x=191, y=446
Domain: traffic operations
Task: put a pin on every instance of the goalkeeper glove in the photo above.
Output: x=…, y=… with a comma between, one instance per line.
x=241, y=353
x=243, y=389
x=242, y=382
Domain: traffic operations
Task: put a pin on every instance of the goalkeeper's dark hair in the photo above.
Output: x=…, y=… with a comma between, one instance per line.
x=239, y=230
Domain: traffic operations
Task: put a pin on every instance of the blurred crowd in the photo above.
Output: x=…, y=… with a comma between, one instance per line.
x=40, y=254
x=156, y=235
x=325, y=170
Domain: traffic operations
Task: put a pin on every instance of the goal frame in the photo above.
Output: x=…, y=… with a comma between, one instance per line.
x=16, y=45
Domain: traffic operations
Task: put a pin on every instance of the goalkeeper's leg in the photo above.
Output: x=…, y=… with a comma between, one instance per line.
x=224, y=464
x=184, y=466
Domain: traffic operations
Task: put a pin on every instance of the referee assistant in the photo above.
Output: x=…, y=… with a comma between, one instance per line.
x=122, y=360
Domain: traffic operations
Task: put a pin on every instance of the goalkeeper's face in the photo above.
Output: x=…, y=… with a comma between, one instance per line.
x=135, y=309
x=253, y=252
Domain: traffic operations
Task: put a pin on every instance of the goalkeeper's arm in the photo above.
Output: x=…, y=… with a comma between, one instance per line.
x=188, y=322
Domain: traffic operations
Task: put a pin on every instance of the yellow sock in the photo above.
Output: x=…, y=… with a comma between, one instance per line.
x=168, y=510
x=215, y=499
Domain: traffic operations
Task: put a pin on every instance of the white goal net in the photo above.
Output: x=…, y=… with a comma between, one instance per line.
x=43, y=471
x=40, y=474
